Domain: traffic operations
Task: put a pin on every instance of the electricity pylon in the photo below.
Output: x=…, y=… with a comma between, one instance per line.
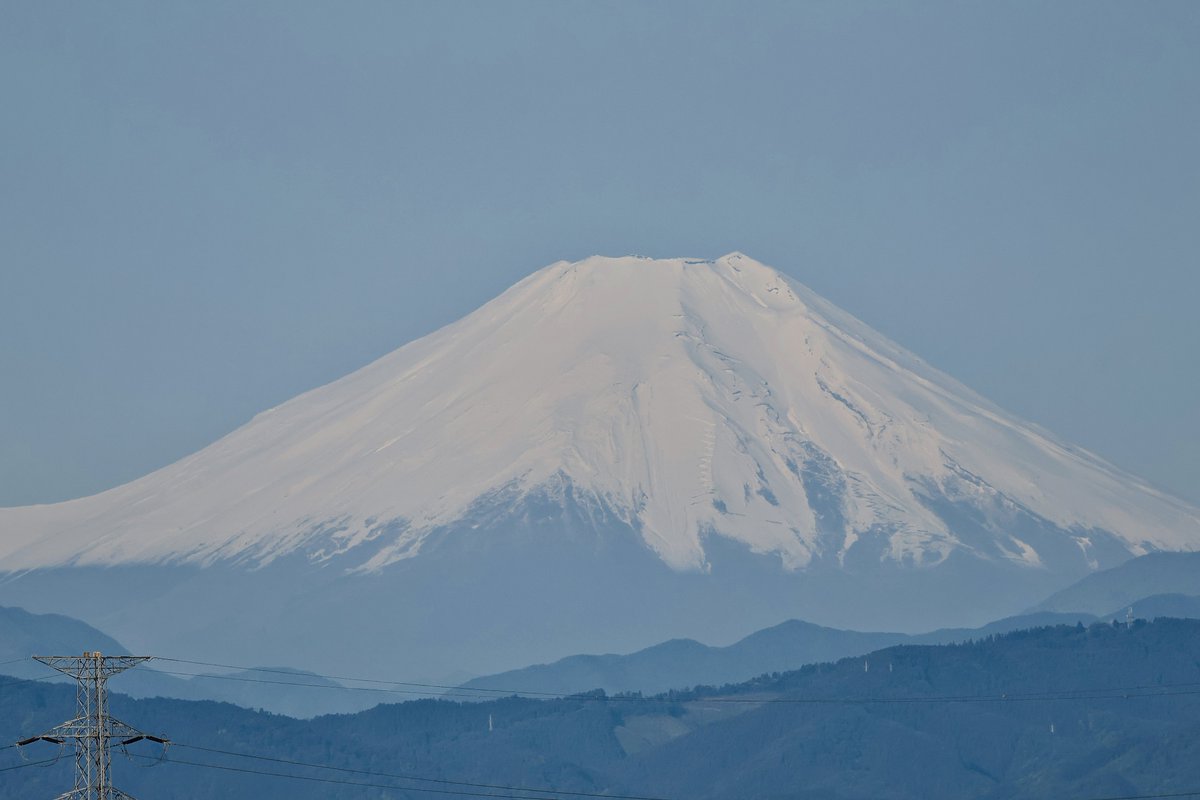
x=93, y=730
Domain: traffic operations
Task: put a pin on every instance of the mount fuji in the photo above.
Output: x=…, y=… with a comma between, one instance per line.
x=612, y=452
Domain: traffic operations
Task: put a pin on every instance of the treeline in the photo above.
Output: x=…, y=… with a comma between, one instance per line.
x=1075, y=711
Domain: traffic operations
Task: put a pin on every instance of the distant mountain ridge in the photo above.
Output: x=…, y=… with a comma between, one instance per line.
x=1151, y=574
x=682, y=663
x=674, y=664
x=23, y=635
x=1177, y=606
x=826, y=732
x=1109, y=595
x=669, y=448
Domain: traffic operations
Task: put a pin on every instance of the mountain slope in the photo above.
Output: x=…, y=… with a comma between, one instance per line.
x=781, y=648
x=688, y=398
x=23, y=634
x=1043, y=748
x=1152, y=574
x=684, y=662
x=610, y=454
x=1176, y=606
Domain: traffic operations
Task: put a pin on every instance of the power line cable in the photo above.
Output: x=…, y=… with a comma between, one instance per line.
x=463, y=691
x=1152, y=690
x=1194, y=793
x=519, y=788
x=1157, y=690
x=30, y=764
x=544, y=794
x=402, y=776
x=15, y=679
x=239, y=679
x=392, y=786
x=1112, y=693
x=527, y=796
x=358, y=680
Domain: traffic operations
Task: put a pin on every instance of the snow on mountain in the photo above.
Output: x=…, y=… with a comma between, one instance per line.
x=689, y=398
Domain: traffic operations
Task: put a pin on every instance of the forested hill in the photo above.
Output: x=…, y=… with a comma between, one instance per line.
x=1064, y=712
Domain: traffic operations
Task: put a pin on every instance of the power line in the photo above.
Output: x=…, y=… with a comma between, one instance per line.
x=527, y=796
x=1159, y=690
x=356, y=680
x=38, y=679
x=1148, y=796
x=524, y=789
x=1111, y=693
x=402, y=776
x=239, y=679
x=392, y=786
x=1144, y=690
x=43, y=762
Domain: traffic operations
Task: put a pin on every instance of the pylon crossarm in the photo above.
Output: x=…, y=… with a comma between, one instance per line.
x=117, y=793
x=72, y=729
x=79, y=666
x=114, y=664
x=71, y=795
x=115, y=729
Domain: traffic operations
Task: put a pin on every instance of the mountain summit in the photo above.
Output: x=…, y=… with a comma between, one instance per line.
x=695, y=408
x=689, y=398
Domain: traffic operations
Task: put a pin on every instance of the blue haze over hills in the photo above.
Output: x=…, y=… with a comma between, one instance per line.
x=208, y=210
x=1049, y=712
x=667, y=448
x=675, y=664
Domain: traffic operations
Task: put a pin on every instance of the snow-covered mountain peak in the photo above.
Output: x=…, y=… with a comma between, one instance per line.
x=689, y=398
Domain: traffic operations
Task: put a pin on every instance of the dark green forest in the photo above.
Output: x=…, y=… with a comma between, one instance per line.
x=1060, y=712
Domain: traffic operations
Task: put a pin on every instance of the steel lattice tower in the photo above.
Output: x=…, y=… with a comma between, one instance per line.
x=92, y=730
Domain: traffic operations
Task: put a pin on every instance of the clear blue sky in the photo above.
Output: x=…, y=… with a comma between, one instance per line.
x=208, y=208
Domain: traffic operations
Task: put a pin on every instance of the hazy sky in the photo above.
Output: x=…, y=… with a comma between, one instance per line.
x=208, y=208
